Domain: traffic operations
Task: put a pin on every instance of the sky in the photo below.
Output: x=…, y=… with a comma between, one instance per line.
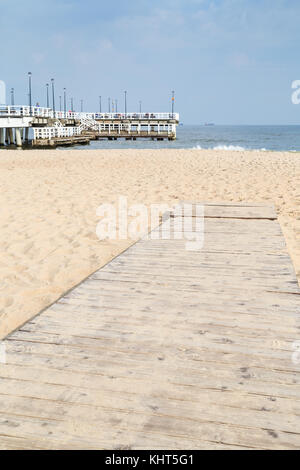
x=229, y=61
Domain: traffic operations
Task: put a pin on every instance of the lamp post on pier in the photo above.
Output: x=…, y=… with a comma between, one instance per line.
x=140, y=107
x=30, y=92
x=109, y=105
x=53, y=95
x=47, y=91
x=65, y=101
x=100, y=104
x=116, y=101
x=72, y=105
x=12, y=95
x=173, y=102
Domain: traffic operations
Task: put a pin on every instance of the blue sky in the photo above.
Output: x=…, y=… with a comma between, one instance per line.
x=229, y=61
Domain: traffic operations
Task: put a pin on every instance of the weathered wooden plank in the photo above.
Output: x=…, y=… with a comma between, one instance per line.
x=241, y=211
x=187, y=369
x=208, y=322
x=166, y=348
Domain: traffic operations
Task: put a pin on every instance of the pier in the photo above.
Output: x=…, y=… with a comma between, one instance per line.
x=165, y=348
x=52, y=128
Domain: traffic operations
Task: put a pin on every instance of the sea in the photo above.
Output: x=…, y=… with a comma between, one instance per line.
x=231, y=138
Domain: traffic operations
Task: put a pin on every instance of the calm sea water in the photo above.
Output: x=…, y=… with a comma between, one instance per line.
x=217, y=137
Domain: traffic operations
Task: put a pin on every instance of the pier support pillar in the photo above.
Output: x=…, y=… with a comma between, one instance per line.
x=26, y=135
x=18, y=137
x=7, y=136
x=2, y=137
x=10, y=135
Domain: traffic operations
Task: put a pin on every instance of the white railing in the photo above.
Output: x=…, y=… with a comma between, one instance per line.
x=137, y=116
x=89, y=124
x=25, y=111
x=138, y=129
x=105, y=129
x=52, y=132
x=36, y=111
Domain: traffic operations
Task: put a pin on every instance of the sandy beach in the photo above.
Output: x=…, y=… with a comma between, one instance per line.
x=48, y=218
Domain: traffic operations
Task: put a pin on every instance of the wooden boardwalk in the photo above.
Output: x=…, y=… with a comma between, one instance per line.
x=165, y=348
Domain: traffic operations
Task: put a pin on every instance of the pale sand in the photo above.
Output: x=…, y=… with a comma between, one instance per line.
x=49, y=199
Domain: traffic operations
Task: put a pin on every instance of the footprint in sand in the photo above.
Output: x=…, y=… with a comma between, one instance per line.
x=8, y=301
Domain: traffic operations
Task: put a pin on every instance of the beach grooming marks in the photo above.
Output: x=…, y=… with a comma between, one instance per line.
x=165, y=348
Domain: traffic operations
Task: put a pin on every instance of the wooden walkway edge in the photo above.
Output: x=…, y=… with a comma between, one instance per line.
x=165, y=348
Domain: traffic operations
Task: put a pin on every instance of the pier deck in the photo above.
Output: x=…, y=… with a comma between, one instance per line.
x=61, y=141
x=50, y=127
x=166, y=348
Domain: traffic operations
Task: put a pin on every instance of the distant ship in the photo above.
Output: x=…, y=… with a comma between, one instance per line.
x=209, y=124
